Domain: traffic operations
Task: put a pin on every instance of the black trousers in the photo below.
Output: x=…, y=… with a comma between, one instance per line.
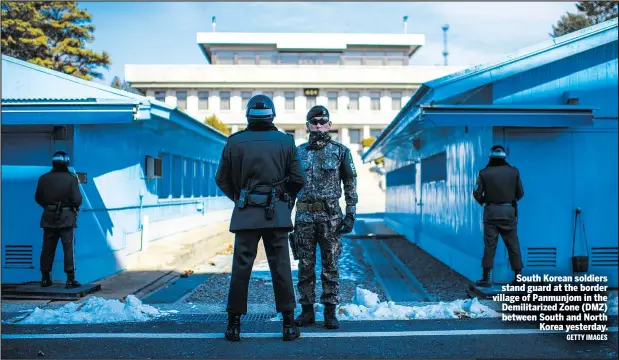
x=50, y=243
x=245, y=249
x=508, y=231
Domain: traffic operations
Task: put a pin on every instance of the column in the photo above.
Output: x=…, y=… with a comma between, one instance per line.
x=344, y=138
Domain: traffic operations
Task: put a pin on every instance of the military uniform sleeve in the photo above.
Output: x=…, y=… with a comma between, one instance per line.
x=480, y=190
x=223, y=178
x=296, y=175
x=349, y=178
x=38, y=195
x=76, y=195
x=519, y=189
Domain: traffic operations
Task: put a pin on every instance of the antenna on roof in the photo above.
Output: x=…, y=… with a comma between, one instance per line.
x=405, y=19
x=445, y=52
x=214, y=23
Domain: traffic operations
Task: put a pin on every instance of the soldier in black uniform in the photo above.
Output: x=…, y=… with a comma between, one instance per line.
x=319, y=219
x=260, y=171
x=59, y=195
x=498, y=190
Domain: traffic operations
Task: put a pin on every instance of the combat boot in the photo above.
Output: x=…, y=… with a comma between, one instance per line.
x=233, y=332
x=331, y=321
x=46, y=280
x=485, y=281
x=306, y=317
x=515, y=282
x=290, y=330
x=71, y=282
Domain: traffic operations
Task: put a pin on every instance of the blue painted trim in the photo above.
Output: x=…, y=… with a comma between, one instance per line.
x=44, y=114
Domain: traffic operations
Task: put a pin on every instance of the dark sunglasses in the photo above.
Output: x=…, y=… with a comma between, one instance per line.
x=316, y=121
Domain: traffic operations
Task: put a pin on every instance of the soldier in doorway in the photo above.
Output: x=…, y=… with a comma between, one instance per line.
x=319, y=219
x=498, y=190
x=59, y=195
x=260, y=171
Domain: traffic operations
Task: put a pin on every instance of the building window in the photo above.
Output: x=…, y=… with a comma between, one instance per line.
x=267, y=57
x=375, y=132
x=331, y=59
x=332, y=100
x=246, y=58
x=181, y=100
x=375, y=100
x=396, y=100
x=353, y=101
x=202, y=100
x=223, y=57
x=245, y=96
x=310, y=58
x=289, y=59
x=434, y=168
x=334, y=134
x=355, y=136
x=310, y=102
x=289, y=97
x=269, y=94
x=160, y=95
x=224, y=98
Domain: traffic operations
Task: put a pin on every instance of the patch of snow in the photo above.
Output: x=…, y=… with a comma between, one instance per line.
x=366, y=306
x=95, y=310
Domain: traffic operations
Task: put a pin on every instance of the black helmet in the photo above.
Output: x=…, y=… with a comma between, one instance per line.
x=61, y=158
x=260, y=108
x=498, y=151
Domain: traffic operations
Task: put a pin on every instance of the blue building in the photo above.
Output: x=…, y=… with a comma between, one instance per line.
x=553, y=106
x=147, y=169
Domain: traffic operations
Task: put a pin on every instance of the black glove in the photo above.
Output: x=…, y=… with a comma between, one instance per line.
x=347, y=223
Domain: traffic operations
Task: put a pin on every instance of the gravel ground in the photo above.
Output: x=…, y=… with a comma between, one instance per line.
x=354, y=272
x=439, y=280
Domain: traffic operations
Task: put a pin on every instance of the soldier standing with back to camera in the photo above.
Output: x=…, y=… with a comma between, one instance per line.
x=260, y=171
x=498, y=190
x=59, y=195
x=319, y=219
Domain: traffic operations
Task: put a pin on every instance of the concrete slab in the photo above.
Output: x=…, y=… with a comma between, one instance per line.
x=57, y=291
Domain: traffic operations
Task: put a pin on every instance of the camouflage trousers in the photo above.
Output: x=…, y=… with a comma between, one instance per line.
x=307, y=237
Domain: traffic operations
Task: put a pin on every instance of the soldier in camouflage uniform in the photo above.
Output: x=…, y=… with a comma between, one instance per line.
x=319, y=219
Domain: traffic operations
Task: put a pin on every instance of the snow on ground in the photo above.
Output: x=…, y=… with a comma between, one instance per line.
x=367, y=306
x=95, y=310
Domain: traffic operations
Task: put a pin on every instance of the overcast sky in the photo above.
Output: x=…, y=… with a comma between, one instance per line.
x=165, y=32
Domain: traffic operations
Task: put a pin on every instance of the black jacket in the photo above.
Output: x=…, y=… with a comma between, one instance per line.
x=54, y=187
x=267, y=156
x=499, y=183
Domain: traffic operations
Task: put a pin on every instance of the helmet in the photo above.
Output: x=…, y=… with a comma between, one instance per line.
x=61, y=158
x=260, y=108
x=498, y=151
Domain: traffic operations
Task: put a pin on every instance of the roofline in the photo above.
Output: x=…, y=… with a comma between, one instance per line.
x=187, y=121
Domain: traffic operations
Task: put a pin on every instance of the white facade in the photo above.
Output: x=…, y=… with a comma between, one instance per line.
x=363, y=79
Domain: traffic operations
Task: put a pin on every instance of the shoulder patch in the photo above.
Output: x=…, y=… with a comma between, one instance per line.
x=352, y=164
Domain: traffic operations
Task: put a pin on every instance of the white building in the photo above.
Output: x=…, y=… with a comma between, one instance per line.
x=363, y=79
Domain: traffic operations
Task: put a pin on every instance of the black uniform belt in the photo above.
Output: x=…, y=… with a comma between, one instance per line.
x=53, y=207
x=311, y=206
x=499, y=204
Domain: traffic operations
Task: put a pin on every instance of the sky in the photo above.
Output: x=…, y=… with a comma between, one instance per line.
x=165, y=32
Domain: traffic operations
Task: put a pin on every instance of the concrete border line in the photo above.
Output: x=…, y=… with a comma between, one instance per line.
x=212, y=335
x=376, y=274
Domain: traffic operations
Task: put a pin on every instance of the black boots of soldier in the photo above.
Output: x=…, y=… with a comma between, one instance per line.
x=331, y=321
x=307, y=316
x=289, y=329
x=485, y=280
x=46, y=279
x=233, y=332
x=71, y=282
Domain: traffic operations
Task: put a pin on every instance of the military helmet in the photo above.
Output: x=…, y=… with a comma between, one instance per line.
x=260, y=108
x=498, y=151
x=61, y=158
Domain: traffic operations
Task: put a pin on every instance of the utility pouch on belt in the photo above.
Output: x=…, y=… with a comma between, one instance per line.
x=293, y=245
x=241, y=203
x=269, y=211
x=257, y=200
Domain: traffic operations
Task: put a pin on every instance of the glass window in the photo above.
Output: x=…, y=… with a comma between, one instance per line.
x=334, y=134
x=267, y=57
x=289, y=97
x=352, y=60
x=202, y=100
x=310, y=58
x=181, y=99
x=375, y=100
x=374, y=60
x=353, y=100
x=223, y=57
x=396, y=100
x=246, y=58
x=355, y=136
x=288, y=58
x=160, y=95
x=224, y=97
x=332, y=100
x=245, y=96
x=375, y=132
x=331, y=59
x=397, y=61
x=310, y=102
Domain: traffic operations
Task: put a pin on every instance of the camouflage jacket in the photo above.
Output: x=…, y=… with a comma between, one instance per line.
x=326, y=169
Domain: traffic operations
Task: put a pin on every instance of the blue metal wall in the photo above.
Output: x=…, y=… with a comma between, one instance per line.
x=561, y=170
x=117, y=197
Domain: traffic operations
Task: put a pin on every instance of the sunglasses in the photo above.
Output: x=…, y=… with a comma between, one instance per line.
x=316, y=121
